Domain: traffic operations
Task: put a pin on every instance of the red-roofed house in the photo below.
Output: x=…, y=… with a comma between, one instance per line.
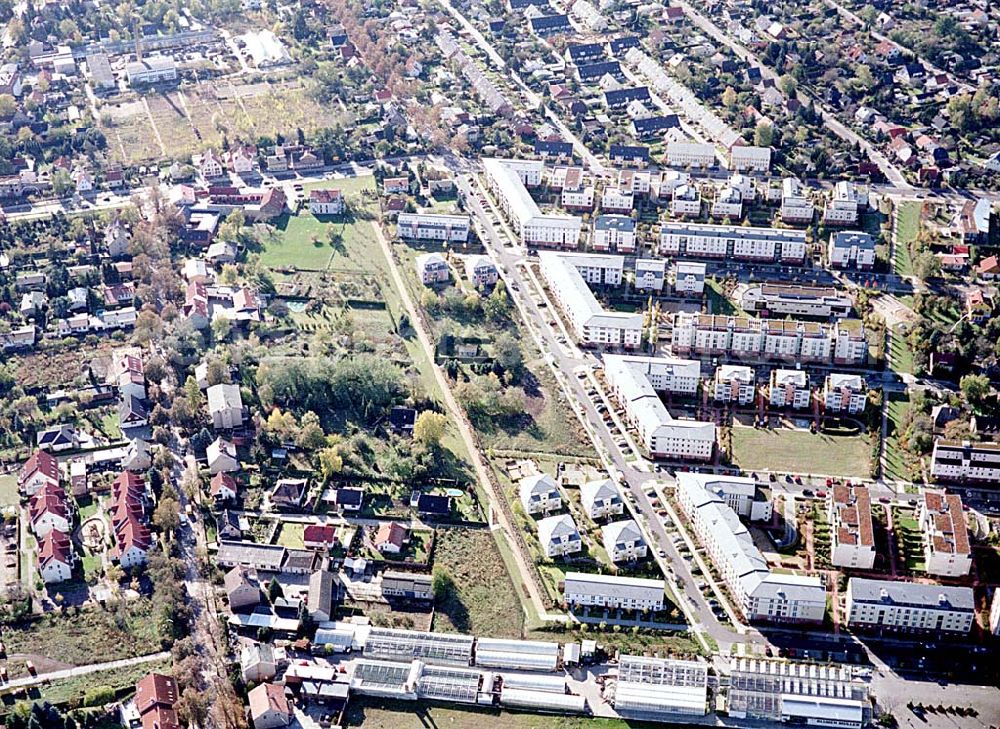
x=42, y=468
x=319, y=536
x=127, y=510
x=852, y=541
x=155, y=697
x=326, y=202
x=947, y=551
x=55, y=557
x=269, y=707
x=223, y=488
x=49, y=509
x=988, y=267
x=390, y=537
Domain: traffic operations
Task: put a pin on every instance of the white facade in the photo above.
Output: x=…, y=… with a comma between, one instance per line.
x=507, y=180
x=617, y=201
x=601, y=499
x=842, y=208
x=734, y=383
x=481, y=271
x=569, y=277
x=614, y=233
x=851, y=249
x=225, y=406
x=650, y=274
x=689, y=277
x=427, y=226
x=796, y=207
x=635, y=382
x=539, y=494
x=760, y=594
x=697, y=240
x=844, y=393
x=794, y=300
x=685, y=201
x=852, y=540
x=789, y=389
x=753, y=159
x=684, y=154
x=623, y=541
x=609, y=591
x=966, y=461
x=559, y=536
x=432, y=268
x=909, y=607
x=945, y=534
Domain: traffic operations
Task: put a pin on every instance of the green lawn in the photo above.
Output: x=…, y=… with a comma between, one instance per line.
x=907, y=227
x=900, y=354
x=8, y=490
x=68, y=689
x=899, y=463
x=302, y=241
x=720, y=303
x=483, y=601
x=291, y=535
x=799, y=451
x=909, y=540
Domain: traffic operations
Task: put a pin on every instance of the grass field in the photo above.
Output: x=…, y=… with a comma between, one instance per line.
x=483, y=601
x=900, y=354
x=899, y=464
x=799, y=451
x=385, y=714
x=291, y=535
x=71, y=638
x=909, y=539
x=907, y=227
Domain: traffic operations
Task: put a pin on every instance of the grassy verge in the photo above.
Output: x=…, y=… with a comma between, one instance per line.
x=907, y=227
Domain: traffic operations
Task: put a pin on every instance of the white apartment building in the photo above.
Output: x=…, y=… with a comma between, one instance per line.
x=851, y=249
x=577, y=191
x=739, y=493
x=428, y=226
x=432, y=268
x=614, y=233
x=608, y=591
x=852, y=537
x=650, y=274
x=752, y=159
x=635, y=382
x=842, y=208
x=685, y=201
x=746, y=186
x=569, y=277
x=664, y=185
x=789, y=389
x=700, y=240
x=728, y=203
x=954, y=460
x=601, y=499
x=793, y=300
x=750, y=338
x=844, y=393
x=507, y=180
x=909, y=607
x=759, y=594
x=684, y=154
x=623, y=541
x=947, y=551
x=617, y=201
x=481, y=271
x=734, y=383
x=637, y=182
x=796, y=207
x=689, y=277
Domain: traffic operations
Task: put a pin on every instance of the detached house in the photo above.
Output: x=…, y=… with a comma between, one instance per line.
x=623, y=541
x=539, y=494
x=559, y=536
x=223, y=488
x=221, y=456
x=269, y=707
x=225, y=406
x=326, y=202
x=40, y=470
x=210, y=165
x=601, y=499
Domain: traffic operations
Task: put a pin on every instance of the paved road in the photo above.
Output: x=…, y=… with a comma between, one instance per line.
x=497, y=515
x=84, y=670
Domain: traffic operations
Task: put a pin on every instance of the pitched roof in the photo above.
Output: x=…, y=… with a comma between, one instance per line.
x=266, y=698
x=54, y=547
x=392, y=533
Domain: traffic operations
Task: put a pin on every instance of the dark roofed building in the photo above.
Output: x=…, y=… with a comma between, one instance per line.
x=618, y=46
x=620, y=98
x=402, y=418
x=654, y=125
x=546, y=25
x=594, y=71
x=432, y=504
x=584, y=52
x=629, y=153
x=560, y=149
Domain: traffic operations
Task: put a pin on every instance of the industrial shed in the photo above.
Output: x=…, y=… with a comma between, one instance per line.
x=404, y=645
x=543, y=701
x=389, y=680
x=661, y=686
x=534, y=682
x=529, y=655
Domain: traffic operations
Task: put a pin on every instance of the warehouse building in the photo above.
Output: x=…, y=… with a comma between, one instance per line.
x=760, y=594
x=954, y=460
x=507, y=180
x=581, y=589
x=658, y=686
x=909, y=607
x=797, y=693
x=635, y=382
x=570, y=276
x=745, y=243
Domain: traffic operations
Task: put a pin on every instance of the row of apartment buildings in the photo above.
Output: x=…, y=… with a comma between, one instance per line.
x=841, y=393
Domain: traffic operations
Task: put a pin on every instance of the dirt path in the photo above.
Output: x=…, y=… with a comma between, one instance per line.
x=458, y=419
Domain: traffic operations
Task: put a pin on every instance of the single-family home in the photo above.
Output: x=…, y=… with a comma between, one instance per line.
x=623, y=541
x=601, y=499
x=559, y=536
x=319, y=536
x=269, y=707
x=223, y=488
x=348, y=499
x=288, y=493
x=58, y=438
x=242, y=588
x=390, y=537
x=326, y=202
x=257, y=663
x=221, y=455
x=225, y=406
x=539, y=494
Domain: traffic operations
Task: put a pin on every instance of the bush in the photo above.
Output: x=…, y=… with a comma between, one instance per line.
x=99, y=696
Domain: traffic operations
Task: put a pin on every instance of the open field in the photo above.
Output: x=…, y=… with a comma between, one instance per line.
x=483, y=601
x=799, y=451
x=899, y=463
x=908, y=225
x=8, y=490
x=385, y=714
x=124, y=632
